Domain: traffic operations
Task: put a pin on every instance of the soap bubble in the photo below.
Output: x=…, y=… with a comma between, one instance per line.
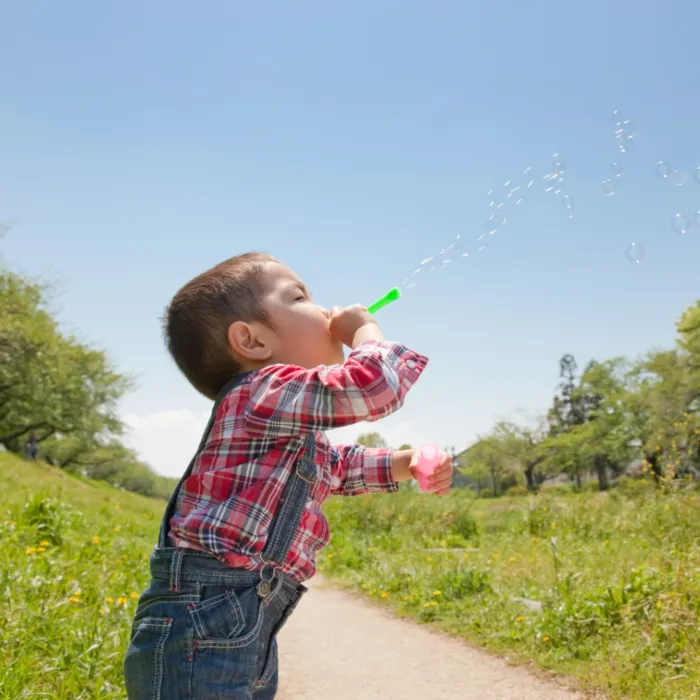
x=558, y=165
x=663, y=169
x=678, y=177
x=696, y=219
x=527, y=174
x=624, y=131
x=696, y=175
x=609, y=187
x=489, y=228
x=635, y=253
x=624, y=135
x=616, y=169
x=557, y=170
x=568, y=202
x=681, y=224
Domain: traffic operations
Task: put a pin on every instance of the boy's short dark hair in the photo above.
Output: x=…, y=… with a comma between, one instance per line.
x=196, y=321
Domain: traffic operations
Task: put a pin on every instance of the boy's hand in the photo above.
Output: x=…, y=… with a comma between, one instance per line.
x=440, y=480
x=353, y=325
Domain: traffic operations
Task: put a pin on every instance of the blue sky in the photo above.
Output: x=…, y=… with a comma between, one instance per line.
x=141, y=143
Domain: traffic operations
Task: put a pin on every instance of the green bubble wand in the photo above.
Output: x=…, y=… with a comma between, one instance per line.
x=391, y=295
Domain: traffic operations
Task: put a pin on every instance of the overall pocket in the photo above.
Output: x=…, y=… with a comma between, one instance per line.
x=225, y=617
x=226, y=630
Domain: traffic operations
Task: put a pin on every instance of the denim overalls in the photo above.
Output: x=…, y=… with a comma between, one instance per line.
x=203, y=630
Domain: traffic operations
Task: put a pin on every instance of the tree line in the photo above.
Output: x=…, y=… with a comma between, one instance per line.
x=63, y=394
x=638, y=418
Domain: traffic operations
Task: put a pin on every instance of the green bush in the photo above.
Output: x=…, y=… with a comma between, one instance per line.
x=517, y=491
x=486, y=493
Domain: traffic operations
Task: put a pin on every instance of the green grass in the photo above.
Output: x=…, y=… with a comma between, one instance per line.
x=73, y=561
x=617, y=576
x=620, y=588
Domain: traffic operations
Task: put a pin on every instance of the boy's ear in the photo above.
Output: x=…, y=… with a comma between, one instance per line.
x=248, y=342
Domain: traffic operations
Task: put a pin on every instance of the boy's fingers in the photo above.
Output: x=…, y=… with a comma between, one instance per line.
x=441, y=472
x=439, y=484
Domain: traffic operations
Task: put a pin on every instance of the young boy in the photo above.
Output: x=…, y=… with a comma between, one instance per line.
x=242, y=529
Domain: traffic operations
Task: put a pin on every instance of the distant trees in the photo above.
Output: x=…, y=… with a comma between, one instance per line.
x=605, y=419
x=63, y=391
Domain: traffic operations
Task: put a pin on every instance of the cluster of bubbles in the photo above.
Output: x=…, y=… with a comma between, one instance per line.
x=624, y=132
x=502, y=200
x=512, y=194
x=624, y=139
x=554, y=183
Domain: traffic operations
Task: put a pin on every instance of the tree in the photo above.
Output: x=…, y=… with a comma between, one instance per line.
x=49, y=382
x=486, y=459
x=371, y=440
x=523, y=444
x=600, y=438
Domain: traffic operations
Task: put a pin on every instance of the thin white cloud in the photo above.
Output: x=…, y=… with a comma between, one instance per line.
x=166, y=440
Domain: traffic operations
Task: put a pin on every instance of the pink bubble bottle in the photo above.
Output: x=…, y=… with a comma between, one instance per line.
x=428, y=461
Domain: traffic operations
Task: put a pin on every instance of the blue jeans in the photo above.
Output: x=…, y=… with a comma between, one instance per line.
x=214, y=637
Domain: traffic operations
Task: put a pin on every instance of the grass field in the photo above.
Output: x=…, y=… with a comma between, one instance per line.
x=73, y=561
x=604, y=587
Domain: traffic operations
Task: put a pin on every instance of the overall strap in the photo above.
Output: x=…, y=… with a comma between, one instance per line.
x=286, y=520
x=229, y=386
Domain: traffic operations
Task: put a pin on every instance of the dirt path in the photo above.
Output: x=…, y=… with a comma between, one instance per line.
x=338, y=647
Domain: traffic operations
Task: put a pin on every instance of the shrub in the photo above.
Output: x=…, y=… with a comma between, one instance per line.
x=517, y=491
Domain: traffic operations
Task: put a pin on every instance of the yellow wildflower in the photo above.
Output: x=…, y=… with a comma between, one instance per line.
x=437, y=593
x=133, y=595
x=520, y=619
x=385, y=594
x=95, y=539
x=31, y=550
x=44, y=543
x=109, y=599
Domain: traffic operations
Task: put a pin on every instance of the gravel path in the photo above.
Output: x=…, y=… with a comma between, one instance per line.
x=339, y=647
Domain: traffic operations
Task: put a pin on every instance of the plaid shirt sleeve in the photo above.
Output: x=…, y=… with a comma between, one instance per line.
x=361, y=470
x=370, y=384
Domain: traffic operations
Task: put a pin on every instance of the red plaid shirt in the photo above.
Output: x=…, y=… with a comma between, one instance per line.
x=226, y=506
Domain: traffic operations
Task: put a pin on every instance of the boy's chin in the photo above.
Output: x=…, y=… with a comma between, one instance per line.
x=338, y=356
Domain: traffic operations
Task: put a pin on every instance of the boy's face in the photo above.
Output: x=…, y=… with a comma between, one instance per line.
x=300, y=333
